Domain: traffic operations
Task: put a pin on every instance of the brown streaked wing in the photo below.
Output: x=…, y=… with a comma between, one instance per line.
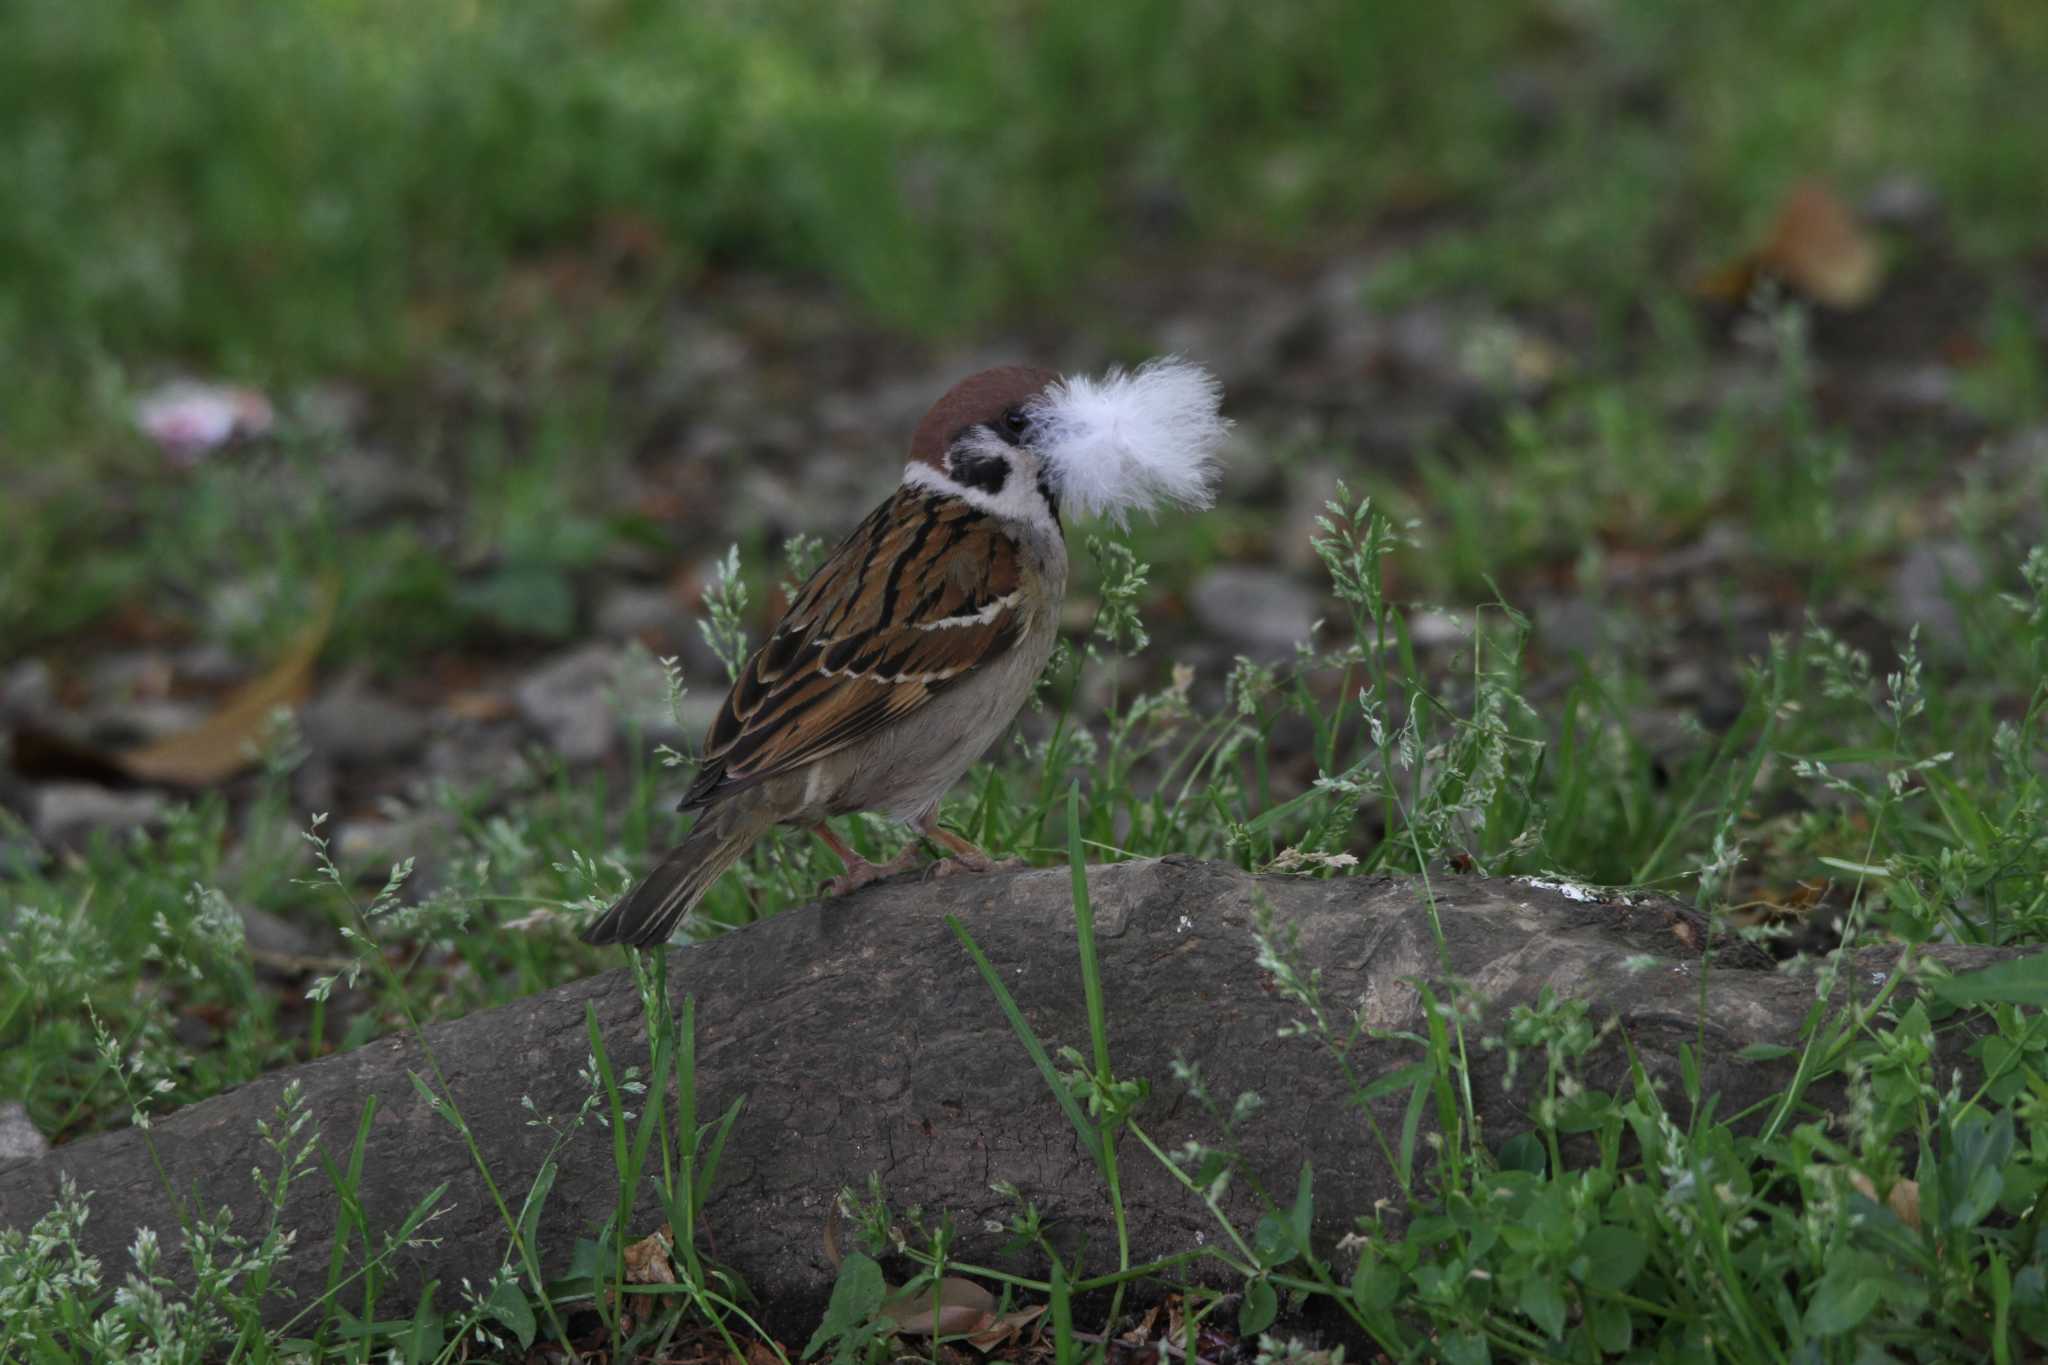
x=904, y=607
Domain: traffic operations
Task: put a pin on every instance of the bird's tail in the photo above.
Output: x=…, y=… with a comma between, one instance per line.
x=648, y=914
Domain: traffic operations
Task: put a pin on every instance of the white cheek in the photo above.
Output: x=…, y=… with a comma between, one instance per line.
x=1017, y=500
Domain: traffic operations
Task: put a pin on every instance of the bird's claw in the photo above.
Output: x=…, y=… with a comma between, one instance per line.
x=962, y=864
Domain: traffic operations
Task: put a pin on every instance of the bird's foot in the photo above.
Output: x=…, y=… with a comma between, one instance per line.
x=859, y=871
x=966, y=857
x=974, y=864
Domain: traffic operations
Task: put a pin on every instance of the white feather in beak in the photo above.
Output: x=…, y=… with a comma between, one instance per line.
x=1128, y=442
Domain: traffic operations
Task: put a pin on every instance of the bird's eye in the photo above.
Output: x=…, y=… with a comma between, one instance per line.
x=1015, y=421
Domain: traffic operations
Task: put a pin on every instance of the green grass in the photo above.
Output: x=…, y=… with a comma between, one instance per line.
x=371, y=192
x=309, y=185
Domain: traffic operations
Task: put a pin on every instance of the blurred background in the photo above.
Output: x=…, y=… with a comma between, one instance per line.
x=420, y=365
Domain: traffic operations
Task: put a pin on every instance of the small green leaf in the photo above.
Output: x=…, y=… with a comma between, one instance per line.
x=1524, y=1152
x=424, y=1341
x=1610, y=1258
x=1374, y=1285
x=1273, y=1240
x=1302, y=1220
x=588, y=1260
x=1399, y=1079
x=856, y=1296
x=1840, y=1304
x=1613, y=1329
x=1844, y=1297
x=509, y=1306
x=1543, y=1302
x=1466, y=1348
x=529, y=1218
x=1261, y=1305
x=2019, y=981
x=530, y=599
x=1764, y=1052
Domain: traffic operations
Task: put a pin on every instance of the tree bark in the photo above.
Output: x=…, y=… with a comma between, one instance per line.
x=866, y=1043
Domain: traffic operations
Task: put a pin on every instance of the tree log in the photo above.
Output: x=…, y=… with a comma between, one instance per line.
x=866, y=1043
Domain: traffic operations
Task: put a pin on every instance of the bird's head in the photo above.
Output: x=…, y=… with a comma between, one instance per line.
x=1026, y=443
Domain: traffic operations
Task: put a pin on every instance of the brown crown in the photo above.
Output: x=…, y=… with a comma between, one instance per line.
x=976, y=399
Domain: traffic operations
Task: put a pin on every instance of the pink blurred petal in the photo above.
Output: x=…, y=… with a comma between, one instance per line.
x=189, y=419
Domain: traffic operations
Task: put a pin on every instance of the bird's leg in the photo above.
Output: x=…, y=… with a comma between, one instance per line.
x=859, y=871
x=966, y=857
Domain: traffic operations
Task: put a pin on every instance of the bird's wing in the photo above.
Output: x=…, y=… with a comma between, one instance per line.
x=924, y=592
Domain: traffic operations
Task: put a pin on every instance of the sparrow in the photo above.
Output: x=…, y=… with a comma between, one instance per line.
x=920, y=637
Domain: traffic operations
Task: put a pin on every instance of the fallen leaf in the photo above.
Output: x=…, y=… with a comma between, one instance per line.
x=1815, y=246
x=963, y=1306
x=224, y=743
x=1006, y=1329
x=647, y=1260
x=478, y=706
x=1904, y=1198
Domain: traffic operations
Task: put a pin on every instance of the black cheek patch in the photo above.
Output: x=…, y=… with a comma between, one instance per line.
x=986, y=473
x=1052, y=502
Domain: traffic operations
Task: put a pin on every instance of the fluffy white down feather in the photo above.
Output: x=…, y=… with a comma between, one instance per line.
x=1130, y=441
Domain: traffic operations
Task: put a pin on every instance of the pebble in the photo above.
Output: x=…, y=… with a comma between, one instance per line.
x=1901, y=200
x=68, y=812
x=353, y=726
x=1570, y=626
x=20, y=1139
x=1262, y=611
x=27, y=689
x=369, y=844
x=1922, y=587
x=634, y=611
x=568, y=700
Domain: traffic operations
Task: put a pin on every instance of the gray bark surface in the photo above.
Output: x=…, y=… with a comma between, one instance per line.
x=866, y=1043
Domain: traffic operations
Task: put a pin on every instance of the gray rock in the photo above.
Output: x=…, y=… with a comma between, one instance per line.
x=211, y=665
x=1930, y=389
x=1432, y=629
x=367, y=484
x=633, y=611
x=20, y=1140
x=68, y=812
x=124, y=675
x=1572, y=625
x=370, y=844
x=1901, y=200
x=570, y=702
x=353, y=726
x=1923, y=585
x=27, y=689
x=480, y=754
x=698, y=354
x=1262, y=611
x=141, y=721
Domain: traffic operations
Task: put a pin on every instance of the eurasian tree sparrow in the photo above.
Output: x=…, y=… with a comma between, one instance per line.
x=920, y=637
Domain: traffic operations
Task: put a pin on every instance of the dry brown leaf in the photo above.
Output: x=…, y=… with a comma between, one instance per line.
x=224, y=743
x=477, y=706
x=963, y=1306
x=1815, y=246
x=647, y=1260
x=1904, y=1198
x=1006, y=1329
